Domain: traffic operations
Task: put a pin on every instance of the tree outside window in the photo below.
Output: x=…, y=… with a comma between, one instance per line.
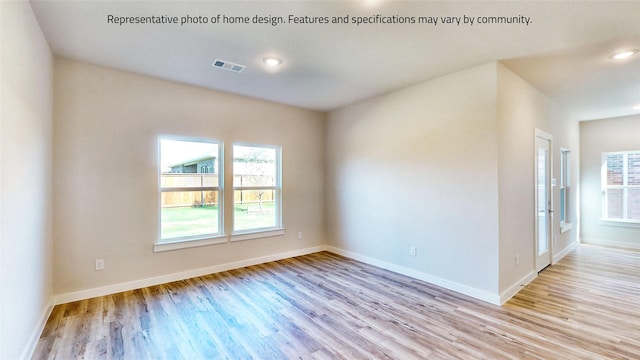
x=256, y=184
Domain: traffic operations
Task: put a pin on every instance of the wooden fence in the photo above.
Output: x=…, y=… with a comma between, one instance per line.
x=207, y=197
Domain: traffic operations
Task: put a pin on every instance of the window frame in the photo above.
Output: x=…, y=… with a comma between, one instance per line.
x=277, y=229
x=565, y=190
x=625, y=186
x=166, y=244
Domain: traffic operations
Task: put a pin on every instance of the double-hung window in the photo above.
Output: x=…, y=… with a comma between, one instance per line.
x=621, y=186
x=257, y=188
x=192, y=195
x=190, y=189
x=565, y=186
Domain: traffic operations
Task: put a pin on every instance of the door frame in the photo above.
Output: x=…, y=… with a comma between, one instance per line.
x=540, y=134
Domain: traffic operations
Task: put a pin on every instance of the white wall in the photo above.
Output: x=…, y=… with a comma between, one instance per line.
x=596, y=137
x=105, y=151
x=25, y=178
x=419, y=167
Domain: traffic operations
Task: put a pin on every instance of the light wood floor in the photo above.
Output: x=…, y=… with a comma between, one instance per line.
x=323, y=306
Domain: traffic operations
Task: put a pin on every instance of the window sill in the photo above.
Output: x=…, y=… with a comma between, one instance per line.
x=189, y=243
x=565, y=227
x=257, y=234
x=621, y=223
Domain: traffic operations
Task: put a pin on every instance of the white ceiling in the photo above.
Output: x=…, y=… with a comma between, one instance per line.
x=564, y=51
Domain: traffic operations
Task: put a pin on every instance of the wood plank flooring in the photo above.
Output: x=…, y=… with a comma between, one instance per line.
x=324, y=306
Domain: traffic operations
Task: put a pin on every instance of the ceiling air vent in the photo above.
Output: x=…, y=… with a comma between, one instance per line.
x=227, y=65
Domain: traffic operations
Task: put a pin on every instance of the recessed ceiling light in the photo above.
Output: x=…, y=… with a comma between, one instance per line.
x=272, y=61
x=624, y=54
x=372, y=2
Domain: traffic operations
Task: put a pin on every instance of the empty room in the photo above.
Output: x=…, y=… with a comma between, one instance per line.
x=319, y=180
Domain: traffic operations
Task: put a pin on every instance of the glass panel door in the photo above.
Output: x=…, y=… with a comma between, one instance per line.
x=543, y=203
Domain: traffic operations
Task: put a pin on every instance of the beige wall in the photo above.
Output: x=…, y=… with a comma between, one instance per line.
x=25, y=178
x=447, y=166
x=418, y=167
x=107, y=123
x=596, y=137
x=521, y=110
x=566, y=134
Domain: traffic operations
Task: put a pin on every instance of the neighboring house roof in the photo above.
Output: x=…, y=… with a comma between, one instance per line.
x=193, y=160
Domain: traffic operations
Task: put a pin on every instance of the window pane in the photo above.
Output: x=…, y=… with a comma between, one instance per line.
x=189, y=213
x=633, y=176
x=614, y=203
x=565, y=167
x=615, y=169
x=188, y=157
x=633, y=204
x=564, y=185
x=254, y=166
x=254, y=209
x=189, y=164
x=563, y=205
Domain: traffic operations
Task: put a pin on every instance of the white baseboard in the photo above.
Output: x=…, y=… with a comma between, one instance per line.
x=447, y=284
x=515, y=288
x=157, y=280
x=610, y=243
x=27, y=353
x=557, y=257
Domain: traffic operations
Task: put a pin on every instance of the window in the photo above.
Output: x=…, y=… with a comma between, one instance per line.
x=192, y=195
x=256, y=188
x=621, y=186
x=190, y=189
x=565, y=186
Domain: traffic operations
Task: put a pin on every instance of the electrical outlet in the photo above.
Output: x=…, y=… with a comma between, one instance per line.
x=299, y=235
x=412, y=250
x=517, y=260
x=99, y=264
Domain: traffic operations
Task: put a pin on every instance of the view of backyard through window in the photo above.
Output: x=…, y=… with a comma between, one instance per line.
x=191, y=195
x=189, y=185
x=256, y=187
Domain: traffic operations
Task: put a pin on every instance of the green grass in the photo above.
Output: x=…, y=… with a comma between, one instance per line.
x=245, y=219
x=193, y=221
x=187, y=221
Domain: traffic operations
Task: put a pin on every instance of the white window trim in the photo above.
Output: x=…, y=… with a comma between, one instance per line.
x=621, y=223
x=564, y=227
x=189, y=242
x=184, y=242
x=256, y=234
